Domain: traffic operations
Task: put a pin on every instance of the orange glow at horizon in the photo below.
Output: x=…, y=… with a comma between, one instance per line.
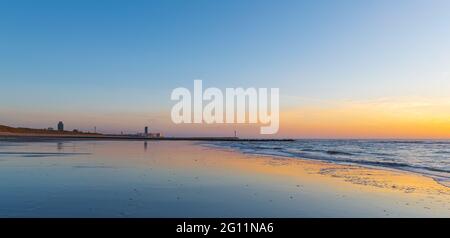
x=413, y=118
x=378, y=119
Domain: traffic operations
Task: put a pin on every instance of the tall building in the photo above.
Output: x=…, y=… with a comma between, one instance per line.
x=60, y=126
x=146, y=130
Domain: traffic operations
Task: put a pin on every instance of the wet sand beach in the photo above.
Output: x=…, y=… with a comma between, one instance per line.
x=187, y=179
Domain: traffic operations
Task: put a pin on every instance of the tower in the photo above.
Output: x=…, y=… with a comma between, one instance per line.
x=60, y=126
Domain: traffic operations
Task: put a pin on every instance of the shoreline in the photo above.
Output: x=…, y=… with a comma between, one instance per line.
x=198, y=181
x=6, y=136
x=363, y=166
x=442, y=178
x=370, y=179
x=51, y=138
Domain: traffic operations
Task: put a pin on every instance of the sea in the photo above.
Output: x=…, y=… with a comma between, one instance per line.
x=427, y=157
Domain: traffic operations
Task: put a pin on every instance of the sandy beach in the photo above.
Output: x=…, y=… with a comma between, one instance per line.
x=188, y=179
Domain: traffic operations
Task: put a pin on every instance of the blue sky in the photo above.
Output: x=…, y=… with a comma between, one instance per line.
x=122, y=58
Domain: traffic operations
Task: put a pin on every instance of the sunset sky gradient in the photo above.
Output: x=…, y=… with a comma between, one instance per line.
x=345, y=69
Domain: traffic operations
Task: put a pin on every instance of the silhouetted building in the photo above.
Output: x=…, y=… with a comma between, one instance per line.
x=146, y=130
x=60, y=126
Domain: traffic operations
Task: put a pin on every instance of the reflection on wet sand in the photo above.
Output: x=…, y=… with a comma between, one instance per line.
x=59, y=146
x=183, y=179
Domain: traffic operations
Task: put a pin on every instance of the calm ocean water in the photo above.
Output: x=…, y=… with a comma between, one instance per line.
x=428, y=157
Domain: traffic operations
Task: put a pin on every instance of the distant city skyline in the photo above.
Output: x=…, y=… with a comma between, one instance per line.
x=345, y=69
